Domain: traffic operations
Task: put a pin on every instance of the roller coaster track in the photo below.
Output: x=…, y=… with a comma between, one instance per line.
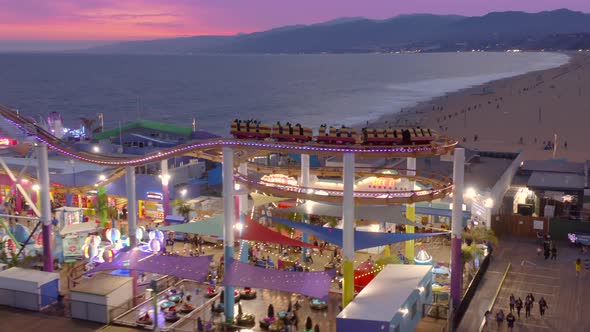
x=247, y=149
x=439, y=147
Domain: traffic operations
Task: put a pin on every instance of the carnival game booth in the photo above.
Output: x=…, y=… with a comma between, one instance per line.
x=68, y=216
x=391, y=302
x=28, y=289
x=101, y=298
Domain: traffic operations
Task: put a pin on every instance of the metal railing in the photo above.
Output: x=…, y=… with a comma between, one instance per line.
x=459, y=312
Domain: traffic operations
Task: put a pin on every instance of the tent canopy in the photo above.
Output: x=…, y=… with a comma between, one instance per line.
x=385, y=213
x=314, y=284
x=192, y=268
x=212, y=226
x=260, y=199
x=84, y=227
x=253, y=231
x=362, y=240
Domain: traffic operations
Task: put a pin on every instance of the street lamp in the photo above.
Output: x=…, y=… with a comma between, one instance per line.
x=183, y=192
x=470, y=193
x=96, y=149
x=102, y=177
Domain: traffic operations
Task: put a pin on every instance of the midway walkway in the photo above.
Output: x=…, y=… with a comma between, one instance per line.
x=566, y=294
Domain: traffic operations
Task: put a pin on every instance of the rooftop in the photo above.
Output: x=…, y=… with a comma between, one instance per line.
x=18, y=273
x=100, y=284
x=553, y=165
x=482, y=169
x=165, y=127
x=557, y=181
x=383, y=297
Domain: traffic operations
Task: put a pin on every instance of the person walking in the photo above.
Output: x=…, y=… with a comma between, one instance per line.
x=487, y=320
x=554, y=253
x=518, y=307
x=578, y=267
x=512, y=303
x=543, y=306
x=528, y=305
x=510, y=320
x=500, y=318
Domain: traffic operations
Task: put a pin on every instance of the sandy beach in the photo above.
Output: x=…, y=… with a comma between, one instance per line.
x=519, y=113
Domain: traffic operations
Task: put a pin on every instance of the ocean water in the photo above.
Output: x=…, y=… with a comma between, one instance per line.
x=306, y=89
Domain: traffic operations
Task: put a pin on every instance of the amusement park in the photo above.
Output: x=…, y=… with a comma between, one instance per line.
x=274, y=227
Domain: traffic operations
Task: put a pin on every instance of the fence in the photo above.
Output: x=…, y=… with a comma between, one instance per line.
x=560, y=228
x=462, y=308
x=519, y=226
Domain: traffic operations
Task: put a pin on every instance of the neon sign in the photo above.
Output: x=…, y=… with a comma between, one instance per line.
x=383, y=183
x=154, y=196
x=4, y=141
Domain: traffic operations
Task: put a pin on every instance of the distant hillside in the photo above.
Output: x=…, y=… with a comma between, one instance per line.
x=559, y=29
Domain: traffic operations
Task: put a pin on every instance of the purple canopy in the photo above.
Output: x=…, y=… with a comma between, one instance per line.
x=192, y=268
x=314, y=284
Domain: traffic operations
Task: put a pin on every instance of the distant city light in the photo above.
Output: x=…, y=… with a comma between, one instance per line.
x=183, y=192
x=102, y=177
x=95, y=149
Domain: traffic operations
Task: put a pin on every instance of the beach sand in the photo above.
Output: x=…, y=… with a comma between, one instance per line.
x=518, y=113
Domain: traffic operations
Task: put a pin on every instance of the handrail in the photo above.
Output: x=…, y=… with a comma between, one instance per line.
x=442, y=146
x=483, y=323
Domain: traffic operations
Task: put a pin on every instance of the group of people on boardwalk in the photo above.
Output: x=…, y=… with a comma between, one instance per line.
x=516, y=305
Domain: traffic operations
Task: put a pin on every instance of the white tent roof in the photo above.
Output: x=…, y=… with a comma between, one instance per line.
x=27, y=275
x=386, y=213
x=84, y=227
x=383, y=297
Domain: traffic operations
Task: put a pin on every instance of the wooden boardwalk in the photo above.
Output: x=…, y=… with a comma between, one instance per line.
x=566, y=294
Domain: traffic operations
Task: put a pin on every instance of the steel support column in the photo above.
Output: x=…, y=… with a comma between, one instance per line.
x=304, y=182
x=165, y=190
x=457, y=226
x=348, y=228
x=228, y=229
x=45, y=217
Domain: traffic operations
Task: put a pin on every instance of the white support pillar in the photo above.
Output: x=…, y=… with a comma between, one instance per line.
x=131, y=204
x=410, y=210
x=243, y=212
x=304, y=182
x=348, y=228
x=165, y=177
x=228, y=229
x=457, y=226
x=45, y=217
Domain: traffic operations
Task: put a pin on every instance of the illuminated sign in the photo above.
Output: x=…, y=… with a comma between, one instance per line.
x=4, y=141
x=154, y=196
x=383, y=183
x=280, y=179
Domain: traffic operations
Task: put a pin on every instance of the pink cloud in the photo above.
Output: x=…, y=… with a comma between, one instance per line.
x=141, y=19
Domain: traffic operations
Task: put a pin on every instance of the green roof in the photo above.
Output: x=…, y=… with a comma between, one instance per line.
x=212, y=226
x=155, y=125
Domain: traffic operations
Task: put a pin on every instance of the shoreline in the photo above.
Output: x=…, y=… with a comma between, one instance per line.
x=508, y=104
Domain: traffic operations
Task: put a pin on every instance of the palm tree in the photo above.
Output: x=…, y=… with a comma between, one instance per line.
x=182, y=207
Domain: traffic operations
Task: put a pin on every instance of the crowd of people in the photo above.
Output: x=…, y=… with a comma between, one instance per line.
x=516, y=305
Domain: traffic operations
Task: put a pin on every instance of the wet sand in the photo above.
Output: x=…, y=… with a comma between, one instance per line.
x=518, y=113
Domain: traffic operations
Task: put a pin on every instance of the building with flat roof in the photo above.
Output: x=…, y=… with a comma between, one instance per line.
x=392, y=301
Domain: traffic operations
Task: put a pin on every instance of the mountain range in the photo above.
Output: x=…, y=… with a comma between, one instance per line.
x=551, y=30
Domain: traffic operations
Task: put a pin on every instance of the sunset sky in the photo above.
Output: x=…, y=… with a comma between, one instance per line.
x=25, y=21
